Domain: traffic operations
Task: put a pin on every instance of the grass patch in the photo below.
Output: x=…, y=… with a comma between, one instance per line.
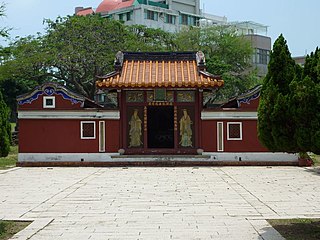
x=11, y=159
x=10, y=228
x=297, y=229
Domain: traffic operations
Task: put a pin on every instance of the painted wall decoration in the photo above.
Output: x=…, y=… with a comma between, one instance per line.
x=50, y=89
x=186, y=96
x=185, y=130
x=170, y=96
x=134, y=96
x=135, y=131
x=150, y=96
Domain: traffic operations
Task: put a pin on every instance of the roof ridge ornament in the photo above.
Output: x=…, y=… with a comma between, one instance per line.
x=118, y=62
x=201, y=60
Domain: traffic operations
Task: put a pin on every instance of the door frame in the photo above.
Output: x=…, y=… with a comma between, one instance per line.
x=178, y=106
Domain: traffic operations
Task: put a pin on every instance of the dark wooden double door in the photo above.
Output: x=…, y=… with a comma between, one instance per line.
x=160, y=127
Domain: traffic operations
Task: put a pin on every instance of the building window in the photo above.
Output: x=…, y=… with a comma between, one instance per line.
x=49, y=102
x=192, y=21
x=125, y=16
x=88, y=130
x=129, y=16
x=234, y=131
x=184, y=19
x=188, y=20
x=101, y=98
x=151, y=15
x=170, y=19
x=121, y=17
x=262, y=56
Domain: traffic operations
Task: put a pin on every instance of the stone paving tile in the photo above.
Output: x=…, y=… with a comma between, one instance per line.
x=157, y=203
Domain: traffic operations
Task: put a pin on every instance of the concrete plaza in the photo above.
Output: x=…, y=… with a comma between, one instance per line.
x=157, y=203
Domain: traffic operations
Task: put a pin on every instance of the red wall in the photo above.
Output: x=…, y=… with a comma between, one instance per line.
x=249, y=142
x=112, y=135
x=63, y=136
x=60, y=104
x=209, y=136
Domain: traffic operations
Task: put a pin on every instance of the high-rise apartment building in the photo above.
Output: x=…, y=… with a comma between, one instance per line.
x=256, y=33
x=168, y=15
x=173, y=15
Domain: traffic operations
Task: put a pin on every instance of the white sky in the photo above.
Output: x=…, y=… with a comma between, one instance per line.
x=298, y=20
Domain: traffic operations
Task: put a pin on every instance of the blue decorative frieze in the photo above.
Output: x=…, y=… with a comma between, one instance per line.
x=248, y=99
x=50, y=89
x=30, y=99
x=68, y=97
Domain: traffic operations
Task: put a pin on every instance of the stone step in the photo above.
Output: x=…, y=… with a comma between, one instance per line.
x=161, y=158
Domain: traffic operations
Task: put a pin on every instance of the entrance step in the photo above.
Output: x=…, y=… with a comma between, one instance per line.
x=161, y=158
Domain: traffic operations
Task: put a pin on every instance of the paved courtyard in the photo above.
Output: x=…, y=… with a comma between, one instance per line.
x=157, y=203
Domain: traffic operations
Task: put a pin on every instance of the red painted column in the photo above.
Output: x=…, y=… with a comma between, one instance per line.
x=145, y=128
x=121, y=117
x=199, y=110
x=176, y=136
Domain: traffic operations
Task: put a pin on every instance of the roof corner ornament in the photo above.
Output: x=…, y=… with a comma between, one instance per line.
x=201, y=60
x=118, y=62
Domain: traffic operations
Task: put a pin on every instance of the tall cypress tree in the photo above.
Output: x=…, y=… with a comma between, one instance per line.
x=274, y=122
x=305, y=105
x=5, y=129
x=312, y=66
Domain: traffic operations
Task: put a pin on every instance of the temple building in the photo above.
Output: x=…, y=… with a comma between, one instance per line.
x=153, y=109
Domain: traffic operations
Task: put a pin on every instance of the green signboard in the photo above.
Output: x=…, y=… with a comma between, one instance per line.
x=160, y=94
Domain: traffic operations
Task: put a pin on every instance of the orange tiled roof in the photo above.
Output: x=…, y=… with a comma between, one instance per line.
x=138, y=73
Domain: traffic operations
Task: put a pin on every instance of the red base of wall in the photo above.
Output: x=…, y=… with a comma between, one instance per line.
x=151, y=164
x=305, y=162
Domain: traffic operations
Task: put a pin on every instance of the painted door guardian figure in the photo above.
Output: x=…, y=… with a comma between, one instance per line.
x=135, y=130
x=185, y=130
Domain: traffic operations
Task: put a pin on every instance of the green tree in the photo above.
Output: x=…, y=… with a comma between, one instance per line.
x=4, y=32
x=5, y=129
x=275, y=125
x=144, y=39
x=75, y=50
x=81, y=47
x=312, y=66
x=227, y=54
x=304, y=105
x=23, y=66
x=188, y=39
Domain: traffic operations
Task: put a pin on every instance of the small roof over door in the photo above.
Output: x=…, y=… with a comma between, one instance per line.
x=173, y=69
